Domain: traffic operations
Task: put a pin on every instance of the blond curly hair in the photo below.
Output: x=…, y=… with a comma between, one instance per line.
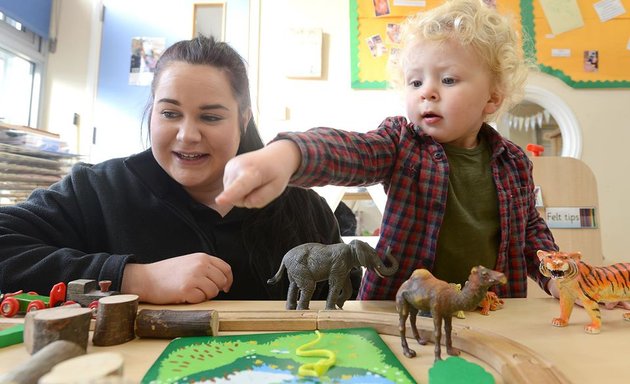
x=490, y=34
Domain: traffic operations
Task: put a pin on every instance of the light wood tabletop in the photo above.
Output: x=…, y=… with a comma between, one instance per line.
x=523, y=324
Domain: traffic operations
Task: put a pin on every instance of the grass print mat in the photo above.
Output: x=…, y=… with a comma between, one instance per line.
x=361, y=357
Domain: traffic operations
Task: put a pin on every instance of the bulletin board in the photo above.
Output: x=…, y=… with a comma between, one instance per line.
x=584, y=43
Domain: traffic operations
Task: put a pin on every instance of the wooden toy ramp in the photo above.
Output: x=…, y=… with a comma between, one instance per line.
x=569, y=182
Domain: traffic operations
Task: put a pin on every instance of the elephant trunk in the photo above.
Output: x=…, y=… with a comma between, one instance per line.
x=384, y=271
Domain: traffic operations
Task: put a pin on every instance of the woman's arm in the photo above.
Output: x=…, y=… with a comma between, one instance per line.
x=192, y=278
x=43, y=242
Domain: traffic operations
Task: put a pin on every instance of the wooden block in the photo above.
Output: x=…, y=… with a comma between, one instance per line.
x=42, y=362
x=80, y=286
x=101, y=367
x=60, y=323
x=115, y=320
x=86, y=291
x=12, y=335
x=169, y=324
x=268, y=321
x=384, y=323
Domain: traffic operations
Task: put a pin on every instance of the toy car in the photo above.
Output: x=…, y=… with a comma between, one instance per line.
x=19, y=302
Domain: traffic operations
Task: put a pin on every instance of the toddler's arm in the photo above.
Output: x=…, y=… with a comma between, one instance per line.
x=256, y=178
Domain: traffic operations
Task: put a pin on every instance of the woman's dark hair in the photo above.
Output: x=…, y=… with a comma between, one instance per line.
x=204, y=50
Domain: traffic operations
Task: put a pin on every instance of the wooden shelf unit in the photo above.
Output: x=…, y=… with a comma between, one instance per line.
x=30, y=159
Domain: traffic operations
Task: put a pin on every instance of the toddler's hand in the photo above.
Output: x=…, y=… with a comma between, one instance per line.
x=618, y=304
x=254, y=179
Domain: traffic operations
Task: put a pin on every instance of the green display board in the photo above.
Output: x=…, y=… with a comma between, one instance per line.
x=586, y=44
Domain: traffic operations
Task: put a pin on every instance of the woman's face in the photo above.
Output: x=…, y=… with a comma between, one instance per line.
x=195, y=127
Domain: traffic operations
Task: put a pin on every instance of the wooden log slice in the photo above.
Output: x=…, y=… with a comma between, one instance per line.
x=42, y=362
x=60, y=323
x=169, y=324
x=91, y=368
x=115, y=320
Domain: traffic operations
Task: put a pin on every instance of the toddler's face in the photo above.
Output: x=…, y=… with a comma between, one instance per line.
x=448, y=91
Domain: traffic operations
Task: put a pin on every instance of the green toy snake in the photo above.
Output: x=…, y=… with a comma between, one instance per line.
x=319, y=368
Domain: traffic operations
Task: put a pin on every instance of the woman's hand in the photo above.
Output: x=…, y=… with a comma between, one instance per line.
x=192, y=278
x=254, y=179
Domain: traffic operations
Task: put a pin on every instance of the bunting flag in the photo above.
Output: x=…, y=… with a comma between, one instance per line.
x=533, y=122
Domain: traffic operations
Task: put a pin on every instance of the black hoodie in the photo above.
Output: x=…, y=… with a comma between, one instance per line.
x=100, y=217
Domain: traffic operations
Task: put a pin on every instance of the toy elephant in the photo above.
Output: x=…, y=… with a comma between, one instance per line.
x=310, y=263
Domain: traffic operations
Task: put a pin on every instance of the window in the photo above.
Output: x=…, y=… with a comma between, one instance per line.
x=16, y=88
x=22, y=60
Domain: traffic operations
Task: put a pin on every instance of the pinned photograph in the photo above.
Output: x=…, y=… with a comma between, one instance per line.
x=381, y=7
x=376, y=45
x=393, y=33
x=145, y=52
x=591, y=61
x=393, y=56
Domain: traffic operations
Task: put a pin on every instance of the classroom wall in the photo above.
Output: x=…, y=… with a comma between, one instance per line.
x=297, y=104
x=119, y=105
x=602, y=114
x=72, y=71
x=89, y=72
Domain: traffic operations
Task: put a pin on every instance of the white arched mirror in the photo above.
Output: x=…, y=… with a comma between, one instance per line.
x=543, y=118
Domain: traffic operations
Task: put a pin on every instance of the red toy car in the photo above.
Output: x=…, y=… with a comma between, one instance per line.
x=19, y=302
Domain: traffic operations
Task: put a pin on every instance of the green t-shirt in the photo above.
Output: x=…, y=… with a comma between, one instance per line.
x=469, y=235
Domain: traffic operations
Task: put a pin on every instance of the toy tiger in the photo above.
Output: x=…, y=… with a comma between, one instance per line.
x=591, y=285
x=491, y=302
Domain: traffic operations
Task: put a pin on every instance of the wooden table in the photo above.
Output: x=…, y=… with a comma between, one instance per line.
x=522, y=323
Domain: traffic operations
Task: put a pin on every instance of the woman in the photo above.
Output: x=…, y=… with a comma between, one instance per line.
x=149, y=222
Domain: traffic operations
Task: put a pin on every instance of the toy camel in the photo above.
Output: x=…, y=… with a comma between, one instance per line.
x=591, y=285
x=424, y=292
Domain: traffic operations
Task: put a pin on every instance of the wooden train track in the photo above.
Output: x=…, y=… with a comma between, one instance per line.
x=516, y=363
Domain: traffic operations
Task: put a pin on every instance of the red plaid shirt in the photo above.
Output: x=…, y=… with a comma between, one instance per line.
x=413, y=169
